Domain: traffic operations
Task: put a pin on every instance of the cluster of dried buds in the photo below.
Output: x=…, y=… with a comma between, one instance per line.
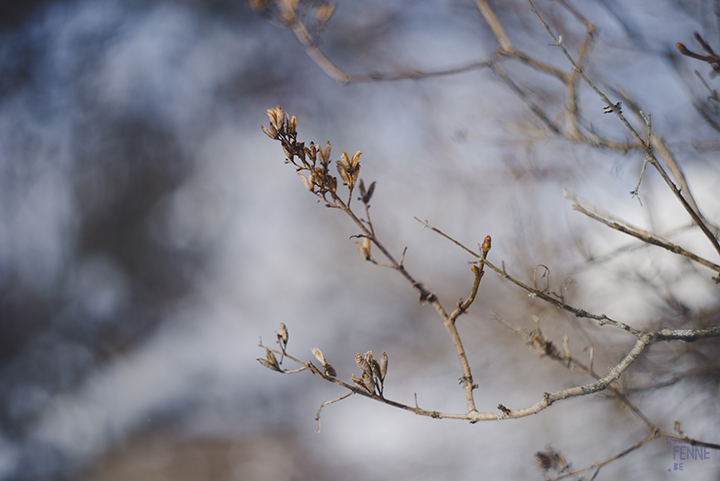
x=373, y=372
x=312, y=162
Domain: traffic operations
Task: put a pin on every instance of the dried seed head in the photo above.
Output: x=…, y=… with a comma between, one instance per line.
x=269, y=365
x=271, y=361
x=366, y=245
x=311, y=151
x=362, y=363
x=271, y=357
x=324, y=12
x=366, y=195
x=308, y=184
x=258, y=5
x=383, y=365
x=319, y=355
x=358, y=381
x=329, y=370
x=325, y=155
x=375, y=370
x=550, y=459
x=364, y=251
x=282, y=333
x=355, y=160
x=270, y=133
x=368, y=382
x=277, y=118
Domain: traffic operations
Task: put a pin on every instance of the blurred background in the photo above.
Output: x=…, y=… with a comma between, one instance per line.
x=150, y=235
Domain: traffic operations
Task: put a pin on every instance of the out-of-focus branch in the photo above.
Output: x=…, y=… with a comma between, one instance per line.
x=622, y=226
x=647, y=147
